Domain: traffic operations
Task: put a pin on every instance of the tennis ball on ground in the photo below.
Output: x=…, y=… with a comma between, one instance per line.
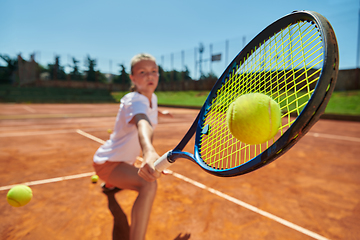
x=94, y=178
x=253, y=118
x=19, y=195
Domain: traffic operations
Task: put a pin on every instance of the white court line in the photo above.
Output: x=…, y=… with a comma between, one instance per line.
x=19, y=134
x=51, y=180
x=197, y=184
x=59, y=179
x=229, y=198
x=336, y=137
x=90, y=136
x=29, y=109
x=250, y=207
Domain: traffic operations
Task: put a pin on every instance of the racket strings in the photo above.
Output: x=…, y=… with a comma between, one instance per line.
x=286, y=67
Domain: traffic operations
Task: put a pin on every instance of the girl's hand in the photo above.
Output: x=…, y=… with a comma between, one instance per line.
x=148, y=172
x=139, y=163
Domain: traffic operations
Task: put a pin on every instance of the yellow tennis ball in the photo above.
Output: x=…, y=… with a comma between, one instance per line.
x=94, y=178
x=109, y=130
x=254, y=118
x=19, y=195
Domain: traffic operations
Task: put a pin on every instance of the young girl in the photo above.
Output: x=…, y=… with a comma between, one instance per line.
x=133, y=132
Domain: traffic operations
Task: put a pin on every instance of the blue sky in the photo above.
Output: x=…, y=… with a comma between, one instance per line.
x=113, y=31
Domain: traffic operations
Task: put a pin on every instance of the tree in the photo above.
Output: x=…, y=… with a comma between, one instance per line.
x=75, y=74
x=123, y=78
x=91, y=74
x=174, y=76
x=186, y=74
x=56, y=70
x=163, y=76
x=8, y=73
x=210, y=76
x=42, y=69
x=100, y=77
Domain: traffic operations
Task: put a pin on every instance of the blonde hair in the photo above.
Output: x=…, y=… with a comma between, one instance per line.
x=137, y=58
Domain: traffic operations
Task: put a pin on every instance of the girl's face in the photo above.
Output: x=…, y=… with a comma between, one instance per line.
x=145, y=76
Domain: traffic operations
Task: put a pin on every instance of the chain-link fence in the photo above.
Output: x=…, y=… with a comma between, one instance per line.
x=202, y=60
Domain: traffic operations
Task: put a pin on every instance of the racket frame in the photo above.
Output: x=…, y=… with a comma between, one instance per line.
x=310, y=114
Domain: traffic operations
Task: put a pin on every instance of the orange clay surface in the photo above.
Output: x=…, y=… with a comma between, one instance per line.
x=315, y=185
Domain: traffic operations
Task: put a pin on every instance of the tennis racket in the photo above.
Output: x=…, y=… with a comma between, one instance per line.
x=295, y=62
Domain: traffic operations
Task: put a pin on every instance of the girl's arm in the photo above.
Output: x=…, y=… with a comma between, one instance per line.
x=146, y=132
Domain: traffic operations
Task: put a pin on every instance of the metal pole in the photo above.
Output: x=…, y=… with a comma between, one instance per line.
x=183, y=59
x=211, y=46
x=358, y=41
x=172, y=61
x=358, y=49
x=201, y=50
x=195, y=57
x=226, y=52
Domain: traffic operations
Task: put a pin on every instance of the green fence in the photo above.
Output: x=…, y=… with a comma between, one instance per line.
x=53, y=95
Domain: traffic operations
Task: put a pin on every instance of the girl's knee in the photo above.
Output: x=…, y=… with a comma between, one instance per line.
x=152, y=185
x=149, y=187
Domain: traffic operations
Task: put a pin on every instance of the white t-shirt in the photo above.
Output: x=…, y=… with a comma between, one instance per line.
x=124, y=145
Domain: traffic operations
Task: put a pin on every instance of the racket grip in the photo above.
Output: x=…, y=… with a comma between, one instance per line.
x=163, y=162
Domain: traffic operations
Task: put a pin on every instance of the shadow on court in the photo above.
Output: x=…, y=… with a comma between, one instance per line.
x=185, y=237
x=121, y=228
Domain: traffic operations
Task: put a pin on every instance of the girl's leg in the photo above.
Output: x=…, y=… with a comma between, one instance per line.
x=126, y=176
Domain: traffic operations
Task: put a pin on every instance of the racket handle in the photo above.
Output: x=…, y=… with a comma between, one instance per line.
x=163, y=162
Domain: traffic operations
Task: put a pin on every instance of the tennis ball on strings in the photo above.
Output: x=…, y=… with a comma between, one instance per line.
x=94, y=178
x=19, y=195
x=254, y=118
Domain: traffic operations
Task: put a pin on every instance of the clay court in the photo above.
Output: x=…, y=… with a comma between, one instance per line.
x=311, y=192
